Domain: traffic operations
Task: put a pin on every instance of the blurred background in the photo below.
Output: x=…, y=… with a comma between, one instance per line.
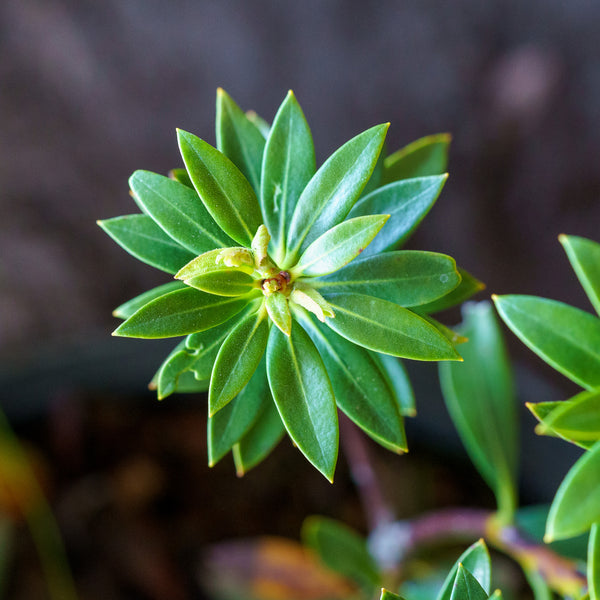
x=91, y=91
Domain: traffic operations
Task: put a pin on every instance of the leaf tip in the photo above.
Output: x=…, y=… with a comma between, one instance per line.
x=548, y=538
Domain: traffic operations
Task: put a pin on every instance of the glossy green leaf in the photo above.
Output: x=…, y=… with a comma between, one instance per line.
x=188, y=384
x=182, y=176
x=257, y=444
x=541, y=411
x=468, y=287
x=178, y=210
x=179, y=313
x=232, y=422
x=405, y=277
x=333, y=190
x=289, y=164
x=576, y=505
x=398, y=381
x=341, y=549
x=125, y=310
x=466, y=586
x=237, y=360
x=385, y=327
x=239, y=139
x=425, y=156
x=224, y=282
x=593, y=563
x=480, y=397
x=361, y=390
x=258, y=122
x=476, y=558
x=279, y=312
x=338, y=246
x=387, y=595
x=407, y=202
x=567, y=338
x=304, y=397
x=143, y=238
x=225, y=192
x=584, y=256
x=375, y=180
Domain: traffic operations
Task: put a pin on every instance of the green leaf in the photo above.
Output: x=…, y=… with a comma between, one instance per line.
x=224, y=282
x=143, y=238
x=388, y=328
x=476, y=559
x=125, y=310
x=584, y=256
x=361, y=391
x=576, y=505
x=467, y=287
x=466, y=587
x=387, y=595
x=177, y=209
x=479, y=394
x=338, y=246
x=375, y=180
x=541, y=411
x=405, y=277
x=239, y=139
x=225, y=192
x=593, y=563
x=341, y=549
x=425, y=156
x=279, y=312
x=303, y=395
x=260, y=440
x=259, y=123
x=237, y=360
x=540, y=588
x=173, y=367
x=407, y=203
x=398, y=381
x=497, y=595
x=179, y=313
x=565, y=337
x=227, y=427
x=333, y=190
x=182, y=176
x=289, y=164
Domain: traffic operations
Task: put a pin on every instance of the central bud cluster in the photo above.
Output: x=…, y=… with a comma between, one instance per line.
x=279, y=283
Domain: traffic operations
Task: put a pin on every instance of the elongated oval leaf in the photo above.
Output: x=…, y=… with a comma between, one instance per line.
x=238, y=358
x=577, y=418
x=171, y=370
x=232, y=422
x=468, y=287
x=593, y=563
x=407, y=202
x=425, y=156
x=341, y=549
x=567, y=338
x=479, y=394
x=576, y=505
x=143, y=238
x=398, y=382
x=388, y=328
x=361, y=391
x=279, y=312
x=225, y=192
x=239, y=139
x=178, y=210
x=405, y=277
x=476, y=559
x=224, y=282
x=303, y=395
x=125, y=310
x=584, y=256
x=466, y=587
x=289, y=164
x=338, y=246
x=387, y=595
x=179, y=313
x=333, y=190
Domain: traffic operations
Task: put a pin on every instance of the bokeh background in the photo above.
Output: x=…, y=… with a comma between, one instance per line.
x=91, y=91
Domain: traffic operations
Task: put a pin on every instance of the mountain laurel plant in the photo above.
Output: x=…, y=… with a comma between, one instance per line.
x=289, y=285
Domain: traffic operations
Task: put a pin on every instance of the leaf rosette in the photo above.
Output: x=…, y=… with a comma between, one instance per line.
x=289, y=285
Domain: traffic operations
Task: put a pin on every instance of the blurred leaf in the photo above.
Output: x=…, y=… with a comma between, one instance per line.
x=182, y=176
x=385, y=327
x=407, y=203
x=425, y=156
x=398, y=381
x=565, y=337
x=480, y=398
x=288, y=166
x=225, y=192
x=333, y=190
x=143, y=238
x=576, y=505
x=303, y=395
x=593, y=564
x=239, y=139
x=466, y=587
x=476, y=558
x=387, y=595
x=405, y=277
x=497, y=595
x=339, y=245
x=468, y=287
x=178, y=210
x=125, y=310
x=539, y=587
x=341, y=549
x=584, y=256
x=259, y=123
